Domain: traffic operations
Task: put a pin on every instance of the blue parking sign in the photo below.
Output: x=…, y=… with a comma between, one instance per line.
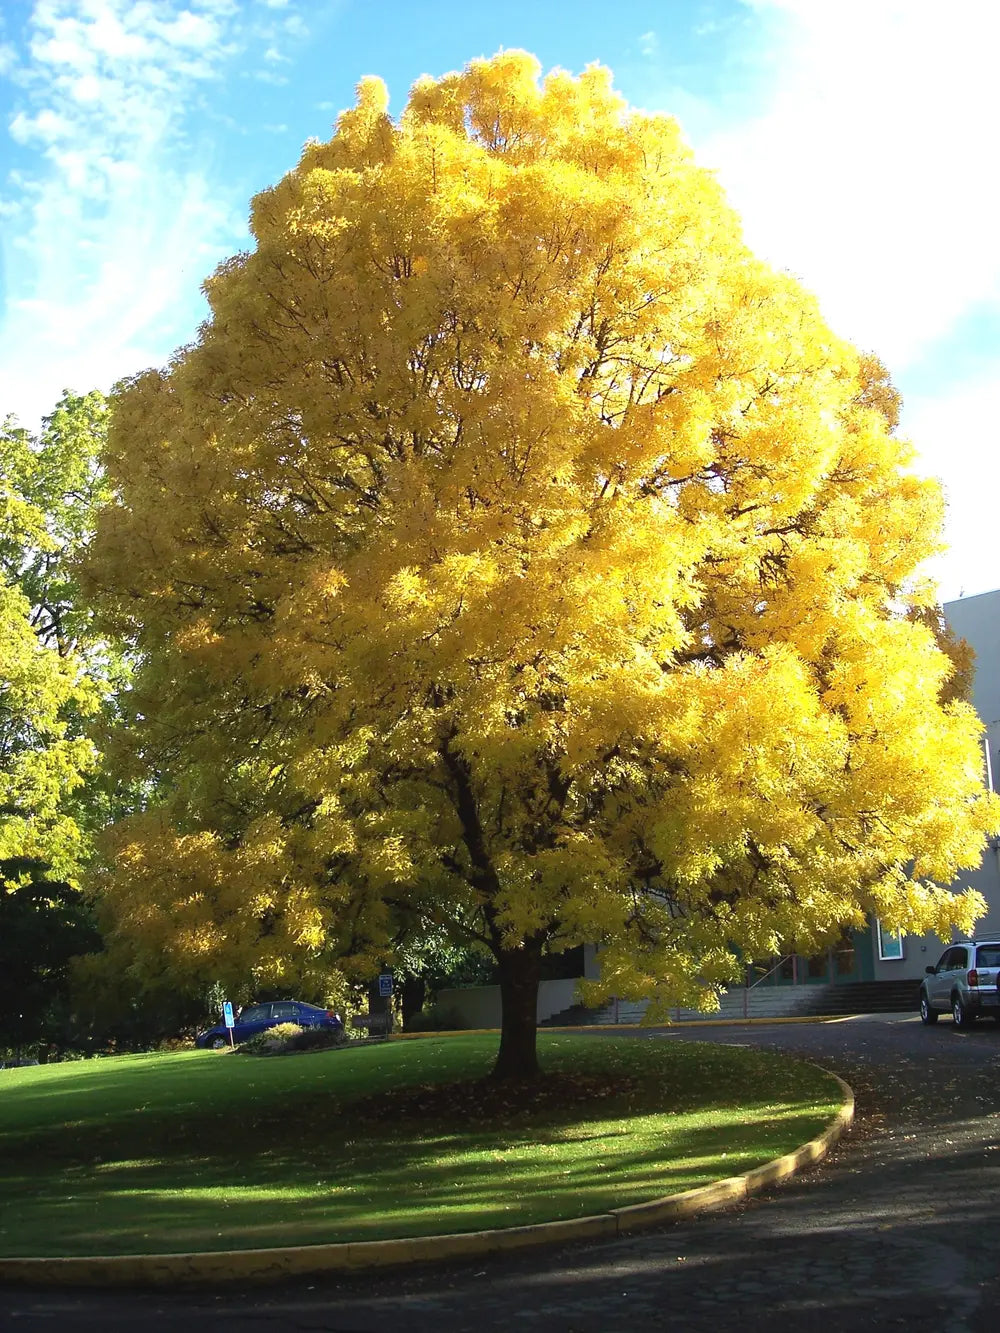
x=227, y=1014
x=385, y=984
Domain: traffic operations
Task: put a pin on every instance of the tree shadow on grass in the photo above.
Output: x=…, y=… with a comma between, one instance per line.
x=277, y=1194
x=267, y=1152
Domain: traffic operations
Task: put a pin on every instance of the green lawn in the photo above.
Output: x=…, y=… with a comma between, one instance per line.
x=206, y=1150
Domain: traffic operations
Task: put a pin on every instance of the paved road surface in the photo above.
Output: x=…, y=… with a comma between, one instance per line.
x=898, y=1229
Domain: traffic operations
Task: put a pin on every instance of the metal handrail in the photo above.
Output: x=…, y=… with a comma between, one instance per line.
x=747, y=989
x=769, y=971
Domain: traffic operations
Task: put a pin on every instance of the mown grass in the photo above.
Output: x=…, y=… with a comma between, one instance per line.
x=205, y=1150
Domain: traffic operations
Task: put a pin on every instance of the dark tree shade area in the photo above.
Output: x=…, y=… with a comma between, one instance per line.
x=43, y=925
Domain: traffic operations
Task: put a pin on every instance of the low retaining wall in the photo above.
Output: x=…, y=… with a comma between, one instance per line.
x=480, y=1005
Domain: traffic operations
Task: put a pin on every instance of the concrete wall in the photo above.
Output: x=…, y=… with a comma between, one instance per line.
x=480, y=1005
x=919, y=952
x=976, y=619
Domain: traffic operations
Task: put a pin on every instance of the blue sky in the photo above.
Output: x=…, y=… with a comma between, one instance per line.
x=858, y=139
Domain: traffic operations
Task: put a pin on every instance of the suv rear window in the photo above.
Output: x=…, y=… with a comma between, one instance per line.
x=988, y=955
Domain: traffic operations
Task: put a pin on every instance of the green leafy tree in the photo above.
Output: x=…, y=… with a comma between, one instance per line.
x=53, y=483
x=54, y=681
x=426, y=964
x=44, y=925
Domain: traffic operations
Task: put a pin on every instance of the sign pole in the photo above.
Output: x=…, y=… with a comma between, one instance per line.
x=385, y=995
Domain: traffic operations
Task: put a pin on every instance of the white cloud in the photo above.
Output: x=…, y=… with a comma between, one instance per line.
x=958, y=433
x=869, y=173
x=649, y=44
x=47, y=126
x=189, y=29
x=112, y=228
x=108, y=228
x=270, y=77
x=87, y=88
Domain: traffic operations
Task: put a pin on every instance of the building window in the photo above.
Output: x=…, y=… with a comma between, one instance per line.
x=890, y=944
x=819, y=965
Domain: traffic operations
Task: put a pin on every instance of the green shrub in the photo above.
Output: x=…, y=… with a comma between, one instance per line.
x=317, y=1039
x=272, y=1041
x=287, y=1038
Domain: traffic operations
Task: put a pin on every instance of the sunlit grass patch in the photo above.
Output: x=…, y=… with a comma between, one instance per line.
x=208, y=1151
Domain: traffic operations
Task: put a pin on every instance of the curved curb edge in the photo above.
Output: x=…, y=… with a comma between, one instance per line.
x=270, y=1265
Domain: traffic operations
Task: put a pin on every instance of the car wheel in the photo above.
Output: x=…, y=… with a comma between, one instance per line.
x=219, y=1043
x=963, y=1018
x=927, y=1014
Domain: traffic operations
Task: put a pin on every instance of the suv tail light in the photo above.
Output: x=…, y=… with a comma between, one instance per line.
x=973, y=978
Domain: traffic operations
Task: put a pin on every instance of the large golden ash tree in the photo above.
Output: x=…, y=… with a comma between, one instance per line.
x=515, y=553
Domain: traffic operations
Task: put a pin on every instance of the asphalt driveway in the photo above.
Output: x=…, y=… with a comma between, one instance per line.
x=899, y=1228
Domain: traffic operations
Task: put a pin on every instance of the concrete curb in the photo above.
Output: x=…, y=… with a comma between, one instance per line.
x=675, y=1025
x=162, y=1270
x=682, y=1024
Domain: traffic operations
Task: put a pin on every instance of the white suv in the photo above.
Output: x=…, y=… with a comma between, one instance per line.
x=964, y=982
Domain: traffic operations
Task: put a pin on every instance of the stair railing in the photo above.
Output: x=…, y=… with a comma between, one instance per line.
x=770, y=971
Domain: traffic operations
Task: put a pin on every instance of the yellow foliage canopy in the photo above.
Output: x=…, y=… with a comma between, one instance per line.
x=515, y=552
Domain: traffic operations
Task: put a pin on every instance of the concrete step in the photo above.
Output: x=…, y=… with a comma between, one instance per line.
x=865, y=997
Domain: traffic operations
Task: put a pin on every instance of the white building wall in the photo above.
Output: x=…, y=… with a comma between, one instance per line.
x=977, y=619
x=919, y=952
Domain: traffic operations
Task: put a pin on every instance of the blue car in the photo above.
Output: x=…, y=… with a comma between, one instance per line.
x=259, y=1017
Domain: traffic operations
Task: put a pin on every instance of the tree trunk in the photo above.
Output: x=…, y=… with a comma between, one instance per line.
x=519, y=974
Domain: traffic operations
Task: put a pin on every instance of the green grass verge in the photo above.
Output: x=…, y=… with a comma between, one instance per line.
x=205, y=1151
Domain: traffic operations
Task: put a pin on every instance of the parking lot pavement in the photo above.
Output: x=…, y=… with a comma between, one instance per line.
x=899, y=1228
